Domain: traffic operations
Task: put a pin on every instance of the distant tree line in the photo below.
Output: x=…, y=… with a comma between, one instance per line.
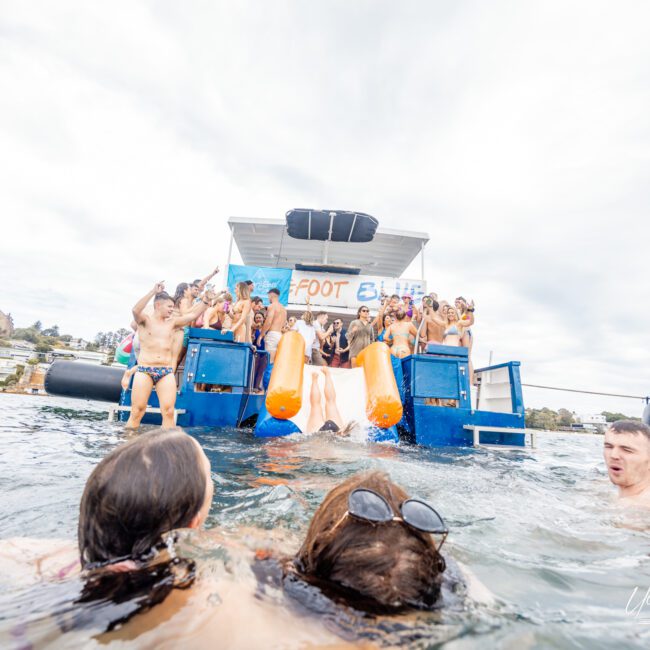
x=550, y=420
x=46, y=339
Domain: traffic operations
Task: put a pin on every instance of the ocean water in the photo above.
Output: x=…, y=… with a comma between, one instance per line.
x=541, y=529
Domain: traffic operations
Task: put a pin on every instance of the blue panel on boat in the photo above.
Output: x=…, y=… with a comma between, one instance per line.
x=224, y=365
x=447, y=350
x=215, y=335
x=434, y=377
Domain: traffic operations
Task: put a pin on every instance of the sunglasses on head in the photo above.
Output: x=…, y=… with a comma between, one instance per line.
x=369, y=506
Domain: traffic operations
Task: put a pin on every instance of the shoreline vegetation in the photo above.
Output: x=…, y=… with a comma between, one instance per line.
x=41, y=341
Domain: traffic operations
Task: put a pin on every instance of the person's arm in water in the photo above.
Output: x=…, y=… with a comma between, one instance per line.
x=138, y=308
x=207, y=279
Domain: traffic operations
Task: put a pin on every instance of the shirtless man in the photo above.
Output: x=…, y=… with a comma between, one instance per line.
x=433, y=327
x=627, y=456
x=276, y=317
x=401, y=335
x=155, y=362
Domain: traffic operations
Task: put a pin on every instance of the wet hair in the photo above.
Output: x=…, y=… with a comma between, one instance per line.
x=378, y=568
x=163, y=295
x=148, y=486
x=180, y=291
x=630, y=426
x=275, y=291
x=134, y=497
x=243, y=289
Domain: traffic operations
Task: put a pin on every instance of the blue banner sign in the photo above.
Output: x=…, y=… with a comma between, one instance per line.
x=263, y=278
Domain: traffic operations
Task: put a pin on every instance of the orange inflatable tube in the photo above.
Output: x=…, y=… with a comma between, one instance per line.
x=284, y=395
x=383, y=406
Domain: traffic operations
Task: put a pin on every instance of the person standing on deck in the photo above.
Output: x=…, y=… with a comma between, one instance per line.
x=433, y=326
x=627, y=456
x=338, y=342
x=401, y=335
x=276, y=317
x=198, y=285
x=360, y=334
x=321, y=337
x=155, y=361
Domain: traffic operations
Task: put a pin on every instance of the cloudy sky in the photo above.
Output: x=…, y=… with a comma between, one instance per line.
x=516, y=134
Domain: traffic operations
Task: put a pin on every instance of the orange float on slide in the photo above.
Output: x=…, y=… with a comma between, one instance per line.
x=383, y=405
x=284, y=395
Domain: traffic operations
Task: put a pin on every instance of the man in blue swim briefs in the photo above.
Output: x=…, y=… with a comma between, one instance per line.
x=155, y=363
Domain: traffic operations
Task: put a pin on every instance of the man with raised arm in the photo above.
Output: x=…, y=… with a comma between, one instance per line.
x=155, y=363
x=627, y=456
x=199, y=284
x=276, y=317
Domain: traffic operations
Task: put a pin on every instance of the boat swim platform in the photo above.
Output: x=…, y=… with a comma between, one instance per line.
x=437, y=409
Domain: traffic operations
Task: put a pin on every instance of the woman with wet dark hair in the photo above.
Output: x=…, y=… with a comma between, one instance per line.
x=372, y=547
x=156, y=483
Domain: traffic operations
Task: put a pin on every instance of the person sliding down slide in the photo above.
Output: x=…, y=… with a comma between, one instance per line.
x=332, y=421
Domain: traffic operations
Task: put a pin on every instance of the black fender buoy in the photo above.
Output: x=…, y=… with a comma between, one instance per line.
x=84, y=381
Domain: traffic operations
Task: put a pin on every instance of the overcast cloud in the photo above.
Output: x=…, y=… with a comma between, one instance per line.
x=515, y=133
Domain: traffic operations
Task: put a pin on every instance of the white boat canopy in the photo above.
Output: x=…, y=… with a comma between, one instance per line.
x=266, y=242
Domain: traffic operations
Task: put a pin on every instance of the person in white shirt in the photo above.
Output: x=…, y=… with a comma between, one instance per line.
x=321, y=337
x=305, y=327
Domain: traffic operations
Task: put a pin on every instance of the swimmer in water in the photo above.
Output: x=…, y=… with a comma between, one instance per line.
x=126, y=560
x=371, y=547
x=627, y=456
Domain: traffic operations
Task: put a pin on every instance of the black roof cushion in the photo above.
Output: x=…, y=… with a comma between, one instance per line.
x=346, y=226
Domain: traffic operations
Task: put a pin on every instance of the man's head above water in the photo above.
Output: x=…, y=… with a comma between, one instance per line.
x=627, y=456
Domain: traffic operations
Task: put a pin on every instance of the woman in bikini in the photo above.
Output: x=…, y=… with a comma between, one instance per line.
x=241, y=314
x=454, y=330
x=466, y=311
x=412, y=312
x=183, y=303
x=217, y=317
x=401, y=335
x=383, y=325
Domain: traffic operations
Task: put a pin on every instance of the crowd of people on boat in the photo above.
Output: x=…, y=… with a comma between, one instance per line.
x=162, y=322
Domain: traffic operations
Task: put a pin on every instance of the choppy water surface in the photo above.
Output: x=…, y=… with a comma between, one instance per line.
x=539, y=528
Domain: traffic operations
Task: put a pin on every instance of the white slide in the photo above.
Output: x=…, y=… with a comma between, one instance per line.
x=350, y=387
